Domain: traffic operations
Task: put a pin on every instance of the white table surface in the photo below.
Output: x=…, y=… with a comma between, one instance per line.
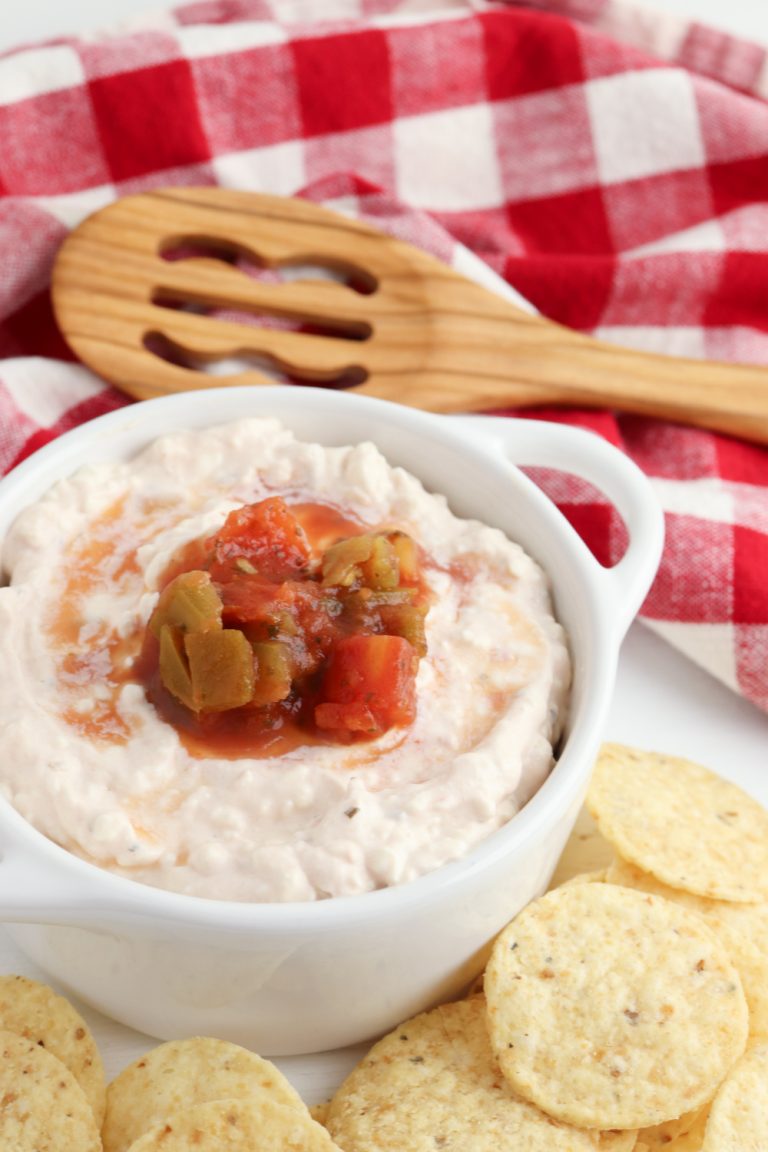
x=661, y=700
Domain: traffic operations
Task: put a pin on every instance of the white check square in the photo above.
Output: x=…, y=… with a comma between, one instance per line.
x=200, y=40
x=278, y=169
x=36, y=71
x=644, y=124
x=447, y=161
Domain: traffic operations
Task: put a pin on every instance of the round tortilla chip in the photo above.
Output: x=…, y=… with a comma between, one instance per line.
x=35, y=1012
x=659, y=811
x=738, y=1118
x=586, y=851
x=434, y=1083
x=239, y=1125
x=743, y=929
x=42, y=1107
x=613, y=1009
x=167, y=1079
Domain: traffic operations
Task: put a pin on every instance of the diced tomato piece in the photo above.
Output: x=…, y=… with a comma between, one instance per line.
x=346, y=717
x=264, y=537
x=316, y=615
x=376, y=672
x=249, y=600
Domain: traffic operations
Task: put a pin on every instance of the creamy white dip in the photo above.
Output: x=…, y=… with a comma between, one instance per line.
x=94, y=767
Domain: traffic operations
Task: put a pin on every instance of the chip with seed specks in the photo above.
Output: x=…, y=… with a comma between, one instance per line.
x=42, y=1107
x=237, y=1126
x=35, y=1012
x=738, y=1118
x=686, y=826
x=434, y=1083
x=202, y=1070
x=614, y=1009
x=743, y=929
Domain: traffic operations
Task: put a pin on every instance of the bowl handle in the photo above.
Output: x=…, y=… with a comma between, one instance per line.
x=585, y=454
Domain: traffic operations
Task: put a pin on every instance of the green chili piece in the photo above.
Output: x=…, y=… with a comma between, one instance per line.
x=190, y=602
x=341, y=562
x=221, y=669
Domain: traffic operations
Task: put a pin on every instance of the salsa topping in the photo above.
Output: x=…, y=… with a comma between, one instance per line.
x=267, y=630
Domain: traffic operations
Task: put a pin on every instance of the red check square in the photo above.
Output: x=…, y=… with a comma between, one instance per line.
x=742, y=463
x=528, y=52
x=745, y=299
x=32, y=331
x=595, y=524
x=573, y=222
x=148, y=120
x=750, y=569
x=738, y=182
x=573, y=292
x=344, y=81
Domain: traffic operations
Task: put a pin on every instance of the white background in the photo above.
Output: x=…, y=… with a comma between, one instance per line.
x=25, y=20
x=661, y=700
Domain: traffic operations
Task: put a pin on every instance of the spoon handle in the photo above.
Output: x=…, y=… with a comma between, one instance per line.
x=504, y=356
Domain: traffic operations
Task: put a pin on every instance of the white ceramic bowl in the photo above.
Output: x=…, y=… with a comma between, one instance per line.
x=298, y=978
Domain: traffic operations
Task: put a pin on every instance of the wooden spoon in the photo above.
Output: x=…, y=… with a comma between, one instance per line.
x=404, y=327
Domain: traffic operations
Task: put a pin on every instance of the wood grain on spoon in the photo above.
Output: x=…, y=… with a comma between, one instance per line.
x=417, y=332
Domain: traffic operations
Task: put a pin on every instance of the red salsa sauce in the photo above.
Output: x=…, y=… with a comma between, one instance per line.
x=292, y=625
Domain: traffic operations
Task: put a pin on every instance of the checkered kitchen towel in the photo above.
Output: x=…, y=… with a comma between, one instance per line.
x=610, y=164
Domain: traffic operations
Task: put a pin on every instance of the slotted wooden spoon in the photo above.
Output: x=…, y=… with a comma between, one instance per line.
x=406, y=327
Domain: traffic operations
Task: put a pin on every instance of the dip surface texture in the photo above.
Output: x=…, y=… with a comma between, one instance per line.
x=87, y=759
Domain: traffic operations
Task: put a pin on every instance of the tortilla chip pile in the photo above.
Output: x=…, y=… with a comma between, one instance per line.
x=202, y=1094
x=626, y=1009
x=52, y=1089
x=209, y=1095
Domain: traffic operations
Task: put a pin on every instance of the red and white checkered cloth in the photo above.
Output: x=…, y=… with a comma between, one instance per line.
x=610, y=164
